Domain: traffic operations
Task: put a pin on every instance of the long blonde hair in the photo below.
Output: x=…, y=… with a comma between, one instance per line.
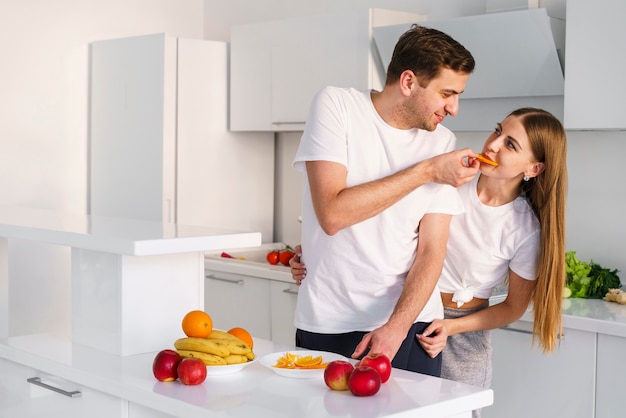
x=546, y=194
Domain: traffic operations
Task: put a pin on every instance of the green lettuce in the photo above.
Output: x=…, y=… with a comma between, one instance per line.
x=588, y=280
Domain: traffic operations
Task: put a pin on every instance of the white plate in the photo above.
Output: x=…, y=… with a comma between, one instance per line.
x=227, y=369
x=270, y=360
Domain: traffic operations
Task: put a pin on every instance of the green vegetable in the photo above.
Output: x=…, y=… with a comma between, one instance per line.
x=588, y=280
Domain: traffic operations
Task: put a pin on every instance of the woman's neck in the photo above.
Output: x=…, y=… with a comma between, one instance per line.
x=497, y=192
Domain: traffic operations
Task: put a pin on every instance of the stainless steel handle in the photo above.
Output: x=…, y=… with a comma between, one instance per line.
x=222, y=279
x=290, y=291
x=524, y=331
x=521, y=331
x=37, y=381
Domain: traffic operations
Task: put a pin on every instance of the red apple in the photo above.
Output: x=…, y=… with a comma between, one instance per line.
x=364, y=381
x=191, y=371
x=336, y=374
x=378, y=362
x=165, y=364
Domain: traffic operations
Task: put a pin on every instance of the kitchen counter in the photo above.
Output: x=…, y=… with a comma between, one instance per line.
x=253, y=392
x=117, y=235
x=253, y=264
x=594, y=315
x=119, y=266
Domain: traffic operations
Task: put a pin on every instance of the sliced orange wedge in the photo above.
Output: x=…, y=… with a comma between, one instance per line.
x=486, y=160
x=295, y=361
x=307, y=361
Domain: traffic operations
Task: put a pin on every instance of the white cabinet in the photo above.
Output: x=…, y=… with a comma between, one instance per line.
x=284, y=297
x=159, y=141
x=235, y=300
x=527, y=383
x=277, y=67
x=594, y=63
x=50, y=396
x=611, y=379
x=263, y=306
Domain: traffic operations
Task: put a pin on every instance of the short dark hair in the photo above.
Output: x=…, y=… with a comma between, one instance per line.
x=426, y=51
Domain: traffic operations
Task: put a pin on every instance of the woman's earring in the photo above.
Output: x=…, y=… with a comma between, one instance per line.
x=526, y=178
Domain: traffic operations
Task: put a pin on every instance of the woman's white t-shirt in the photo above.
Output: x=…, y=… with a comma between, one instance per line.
x=355, y=277
x=485, y=241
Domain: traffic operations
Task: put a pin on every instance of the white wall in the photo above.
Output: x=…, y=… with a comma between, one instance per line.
x=43, y=120
x=220, y=14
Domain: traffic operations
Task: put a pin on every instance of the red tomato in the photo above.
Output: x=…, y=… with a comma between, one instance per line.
x=285, y=256
x=272, y=257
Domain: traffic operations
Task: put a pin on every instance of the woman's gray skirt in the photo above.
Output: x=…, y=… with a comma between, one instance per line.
x=467, y=356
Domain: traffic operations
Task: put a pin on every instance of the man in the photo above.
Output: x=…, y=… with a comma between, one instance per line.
x=380, y=173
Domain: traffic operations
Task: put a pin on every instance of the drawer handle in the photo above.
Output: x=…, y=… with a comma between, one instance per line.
x=37, y=381
x=290, y=291
x=221, y=279
x=523, y=331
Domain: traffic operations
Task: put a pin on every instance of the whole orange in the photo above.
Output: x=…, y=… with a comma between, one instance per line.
x=198, y=324
x=243, y=335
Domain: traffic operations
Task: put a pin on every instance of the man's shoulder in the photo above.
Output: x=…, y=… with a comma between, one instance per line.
x=342, y=93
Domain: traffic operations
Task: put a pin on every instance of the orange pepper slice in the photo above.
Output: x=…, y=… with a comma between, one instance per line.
x=486, y=160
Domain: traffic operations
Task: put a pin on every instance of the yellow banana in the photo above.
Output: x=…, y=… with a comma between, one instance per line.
x=203, y=345
x=235, y=347
x=222, y=335
x=208, y=359
x=250, y=356
x=236, y=359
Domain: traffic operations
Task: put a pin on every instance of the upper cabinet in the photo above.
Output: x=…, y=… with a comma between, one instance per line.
x=518, y=63
x=594, y=64
x=277, y=67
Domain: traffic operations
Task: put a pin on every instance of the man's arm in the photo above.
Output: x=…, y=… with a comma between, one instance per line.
x=418, y=287
x=338, y=206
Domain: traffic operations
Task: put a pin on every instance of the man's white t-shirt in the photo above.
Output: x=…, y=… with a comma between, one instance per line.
x=355, y=277
x=485, y=241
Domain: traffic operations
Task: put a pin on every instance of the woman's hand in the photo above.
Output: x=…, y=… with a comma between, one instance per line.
x=433, y=339
x=298, y=270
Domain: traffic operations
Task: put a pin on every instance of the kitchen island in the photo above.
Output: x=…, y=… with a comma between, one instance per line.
x=131, y=283
x=255, y=391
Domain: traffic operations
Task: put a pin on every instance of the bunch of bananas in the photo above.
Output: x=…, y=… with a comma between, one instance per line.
x=218, y=349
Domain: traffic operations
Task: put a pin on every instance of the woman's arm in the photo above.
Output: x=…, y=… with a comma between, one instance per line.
x=511, y=309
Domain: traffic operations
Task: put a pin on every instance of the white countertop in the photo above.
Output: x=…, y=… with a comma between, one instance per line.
x=117, y=235
x=255, y=263
x=253, y=392
x=594, y=315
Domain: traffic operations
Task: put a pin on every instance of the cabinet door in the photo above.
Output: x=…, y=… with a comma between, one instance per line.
x=19, y=398
x=133, y=128
x=235, y=300
x=594, y=64
x=611, y=378
x=527, y=383
x=277, y=67
x=284, y=297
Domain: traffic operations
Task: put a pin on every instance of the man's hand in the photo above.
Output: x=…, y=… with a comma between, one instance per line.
x=433, y=339
x=298, y=270
x=455, y=167
x=384, y=340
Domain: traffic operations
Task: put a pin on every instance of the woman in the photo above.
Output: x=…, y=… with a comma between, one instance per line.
x=513, y=229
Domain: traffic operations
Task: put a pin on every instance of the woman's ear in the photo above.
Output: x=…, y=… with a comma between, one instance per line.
x=535, y=170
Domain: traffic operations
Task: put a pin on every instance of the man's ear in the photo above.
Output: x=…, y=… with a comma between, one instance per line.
x=407, y=82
